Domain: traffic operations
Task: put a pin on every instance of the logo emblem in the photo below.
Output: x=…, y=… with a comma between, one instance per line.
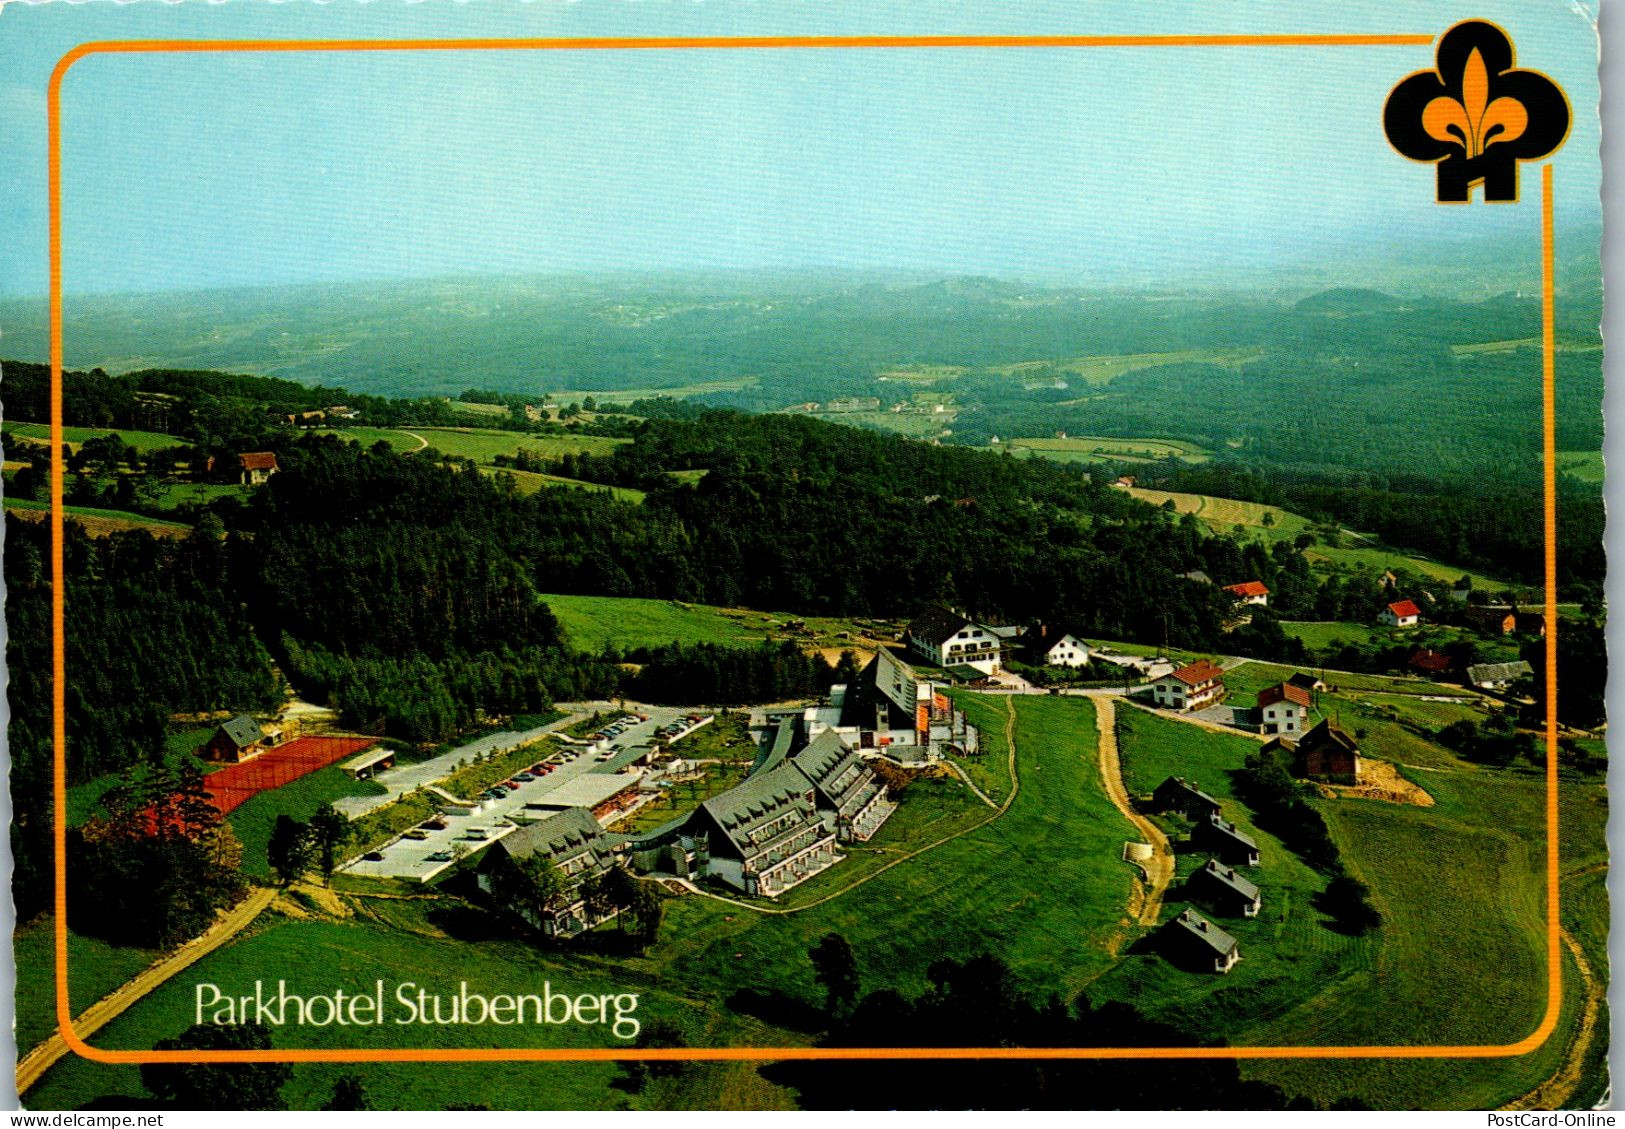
x=1475, y=116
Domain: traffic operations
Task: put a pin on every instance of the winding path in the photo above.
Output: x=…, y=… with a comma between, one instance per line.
x=1159, y=868
x=37, y=1061
x=1555, y=1091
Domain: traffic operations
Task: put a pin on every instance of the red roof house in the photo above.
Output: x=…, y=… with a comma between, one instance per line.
x=1249, y=592
x=1190, y=687
x=1403, y=613
x=256, y=466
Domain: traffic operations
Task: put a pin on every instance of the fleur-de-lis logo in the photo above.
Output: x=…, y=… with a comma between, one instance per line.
x=1476, y=116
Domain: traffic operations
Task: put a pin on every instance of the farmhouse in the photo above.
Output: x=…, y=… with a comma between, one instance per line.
x=578, y=849
x=950, y=640
x=236, y=740
x=1196, y=939
x=1045, y=647
x=256, y=467
x=1233, y=846
x=1250, y=592
x=1283, y=708
x=1190, y=687
x=1177, y=794
x=1491, y=621
x=1225, y=891
x=1430, y=663
x=1327, y=752
x=766, y=834
x=1497, y=676
x=1402, y=613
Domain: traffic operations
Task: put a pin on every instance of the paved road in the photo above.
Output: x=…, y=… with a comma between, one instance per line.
x=37, y=1061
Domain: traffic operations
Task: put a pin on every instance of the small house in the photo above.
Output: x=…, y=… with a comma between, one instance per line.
x=1192, y=687
x=1401, y=613
x=1178, y=794
x=1491, y=621
x=1327, y=752
x=1497, y=676
x=1283, y=708
x=1194, y=938
x=1233, y=846
x=256, y=467
x=1250, y=592
x=1430, y=663
x=236, y=740
x=1046, y=647
x=1224, y=890
x=1307, y=682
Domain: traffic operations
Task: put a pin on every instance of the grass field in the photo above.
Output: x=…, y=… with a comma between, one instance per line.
x=1222, y=515
x=99, y=522
x=180, y=493
x=675, y=392
x=592, y=621
x=530, y=481
x=1375, y=559
x=484, y=444
x=1091, y=448
x=367, y=436
x=1587, y=466
x=95, y=968
x=913, y=424
x=142, y=441
x=299, y=800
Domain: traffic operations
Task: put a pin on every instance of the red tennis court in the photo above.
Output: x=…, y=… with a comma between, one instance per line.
x=231, y=787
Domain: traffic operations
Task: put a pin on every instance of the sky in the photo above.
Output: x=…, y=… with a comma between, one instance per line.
x=189, y=171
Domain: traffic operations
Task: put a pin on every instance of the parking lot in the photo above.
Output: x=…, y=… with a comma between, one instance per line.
x=469, y=828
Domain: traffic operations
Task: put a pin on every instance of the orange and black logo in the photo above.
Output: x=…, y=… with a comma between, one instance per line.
x=1475, y=115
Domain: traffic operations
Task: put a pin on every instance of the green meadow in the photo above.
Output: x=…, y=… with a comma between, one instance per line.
x=625, y=622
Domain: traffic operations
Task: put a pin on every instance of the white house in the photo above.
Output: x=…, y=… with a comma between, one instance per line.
x=1190, y=687
x=1401, y=614
x=1044, y=647
x=1283, y=708
x=950, y=640
x=1250, y=592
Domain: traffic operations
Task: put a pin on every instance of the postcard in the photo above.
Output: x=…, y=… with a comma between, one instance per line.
x=735, y=556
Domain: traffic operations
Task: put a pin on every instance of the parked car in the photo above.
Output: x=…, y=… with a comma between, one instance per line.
x=440, y=856
x=476, y=833
x=415, y=833
x=374, y=856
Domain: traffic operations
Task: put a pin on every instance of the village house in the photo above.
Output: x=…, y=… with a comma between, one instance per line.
x=235, y=740
x=1491, y=621
x=1327, y=752
x=1497, y=676
x=1283, y=708
x=1192, y=687
x=578, y=848
x=1308, y=682
x=1401, y=613
x=950, y=640
x=1194, y=938
x=1046, y=647
x=1178, y=794
x=1430, y=663
x=1250, y=592
x=1233, y=846
x=256, y=467
x=1223, y=890
x=766, y=834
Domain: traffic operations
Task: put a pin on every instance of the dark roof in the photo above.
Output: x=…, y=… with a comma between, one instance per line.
x=774, y=751
x=1430, y=661
x=1180, y=784
x=1307, y=681
x=740, y=810
x=559, y=837
x=1284, y=691
x=1204, y=930
x=243, y=731
x=1197, y=672
x=1231, y=831
x=937, y=624
x=894, y=679
x=1328, y=732
x=844, y=782
x=1216, y=871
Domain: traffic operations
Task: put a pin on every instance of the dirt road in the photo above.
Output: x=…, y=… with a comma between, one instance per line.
x=37, y=1061
x=1559, y=1088
x=1159, y=868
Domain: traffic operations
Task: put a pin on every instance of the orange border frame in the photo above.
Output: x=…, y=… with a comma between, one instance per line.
x=1554, y=965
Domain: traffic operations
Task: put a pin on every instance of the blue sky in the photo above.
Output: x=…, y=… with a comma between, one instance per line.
x=194, y=171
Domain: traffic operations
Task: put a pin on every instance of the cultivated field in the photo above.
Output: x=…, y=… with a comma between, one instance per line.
x=593, y=621
x=1223, y=514
x=142, y=441
x=97, y=523
x=1091, y=448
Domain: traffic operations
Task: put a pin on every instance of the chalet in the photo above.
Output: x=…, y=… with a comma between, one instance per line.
x=954, y=642
x=1430, y=663
x=1223, y=890
x=1402, y=613
x=887, y=704
x=1177, y=794
x=1191, y=687
x=1250, y=592
x=1307, y=682
x=1233, y=846
x=849, y=797
x=1045, y=647
x=236, y=740
x=1497, y=676
x=1530, y=623
x=1491, y=621
x=1196, y=939
x=766, y=834
x=578, y=848
x=1283, y=708
x=256, y=467
x=1327, y=752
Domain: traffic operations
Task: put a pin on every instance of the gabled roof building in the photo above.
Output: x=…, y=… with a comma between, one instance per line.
x=766, y=834
x=579, y=849
x=1178, y=794
x=1191, y=687
x=235, y=740
x=1224, y=890
x=1232, y=845
x=950, y=640
x=1327, y=752
x=1195, y=939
